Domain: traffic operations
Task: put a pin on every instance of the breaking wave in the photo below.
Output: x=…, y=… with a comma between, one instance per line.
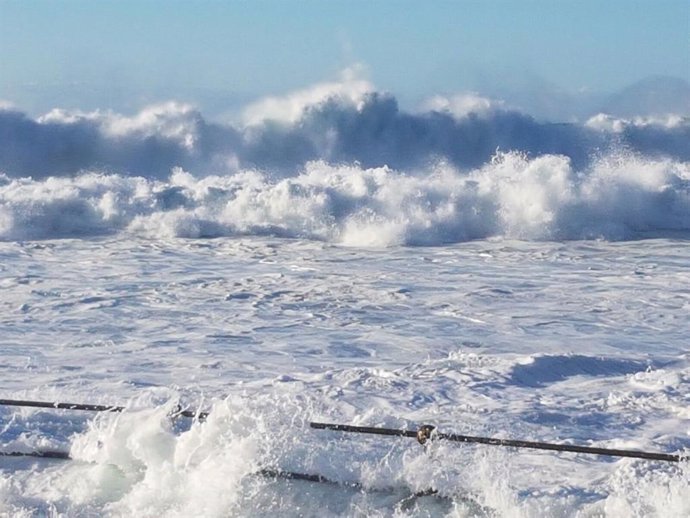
x=345, y=121
x=340, y=162
x=619, y=197
x=140, y=463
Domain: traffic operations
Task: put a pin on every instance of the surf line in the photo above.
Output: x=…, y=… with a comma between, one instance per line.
x=425, y=434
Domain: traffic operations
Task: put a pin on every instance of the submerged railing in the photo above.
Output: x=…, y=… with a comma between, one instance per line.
x=424, y=435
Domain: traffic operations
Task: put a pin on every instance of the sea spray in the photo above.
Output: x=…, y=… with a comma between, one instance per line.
x=620, y=197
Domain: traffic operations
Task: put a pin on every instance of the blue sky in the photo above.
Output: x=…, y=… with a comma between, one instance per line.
x=123, y=54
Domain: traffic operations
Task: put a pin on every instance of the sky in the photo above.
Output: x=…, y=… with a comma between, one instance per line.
x=125, y=54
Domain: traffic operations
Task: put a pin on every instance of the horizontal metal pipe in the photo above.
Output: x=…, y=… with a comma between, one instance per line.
x=500, y=442
x=89, y=407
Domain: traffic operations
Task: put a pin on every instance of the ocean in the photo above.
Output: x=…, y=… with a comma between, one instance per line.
x=344, y=261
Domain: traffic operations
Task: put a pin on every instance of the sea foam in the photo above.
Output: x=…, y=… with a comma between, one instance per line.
x=622, y=196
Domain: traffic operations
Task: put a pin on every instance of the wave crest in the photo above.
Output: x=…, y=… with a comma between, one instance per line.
x=621, y=196
x=340, y=122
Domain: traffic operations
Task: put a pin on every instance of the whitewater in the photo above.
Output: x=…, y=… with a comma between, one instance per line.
x=328, y=256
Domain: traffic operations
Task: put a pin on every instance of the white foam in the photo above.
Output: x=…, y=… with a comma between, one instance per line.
x=178, y=122
x=606, y=122
x=480, y=338
x=621, y=197
x=461, y=105
x=288, y=109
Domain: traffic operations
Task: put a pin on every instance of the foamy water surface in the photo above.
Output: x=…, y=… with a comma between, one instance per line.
x=581, y=341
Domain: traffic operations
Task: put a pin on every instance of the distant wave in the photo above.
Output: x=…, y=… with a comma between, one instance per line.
x=340, y=162
x=340, y=123
x=620, y=196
